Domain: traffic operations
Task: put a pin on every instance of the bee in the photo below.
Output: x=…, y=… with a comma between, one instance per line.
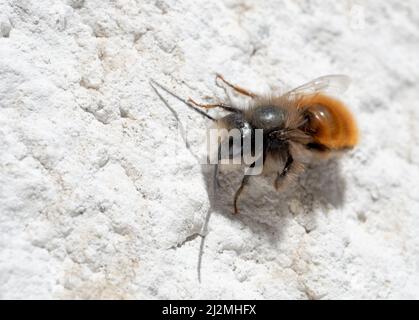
x=300, y=126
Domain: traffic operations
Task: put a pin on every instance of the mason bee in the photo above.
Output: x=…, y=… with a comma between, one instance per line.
x=300, y=126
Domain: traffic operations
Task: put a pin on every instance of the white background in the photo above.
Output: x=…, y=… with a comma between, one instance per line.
x=100, y=197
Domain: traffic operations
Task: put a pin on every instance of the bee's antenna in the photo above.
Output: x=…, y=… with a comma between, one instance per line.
x=153, y=82
x=182, y=129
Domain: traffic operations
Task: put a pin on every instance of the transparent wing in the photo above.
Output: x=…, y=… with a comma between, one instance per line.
x=333, y=83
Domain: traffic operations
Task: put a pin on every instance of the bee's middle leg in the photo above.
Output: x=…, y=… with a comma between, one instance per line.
x=244, y=182
x=214, y=105
x=290, y=171
x=235, y=87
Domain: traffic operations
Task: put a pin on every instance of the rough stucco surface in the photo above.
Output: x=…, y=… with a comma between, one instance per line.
x=101, y=198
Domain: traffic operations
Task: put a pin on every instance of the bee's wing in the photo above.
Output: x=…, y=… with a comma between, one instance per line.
x=333, y=83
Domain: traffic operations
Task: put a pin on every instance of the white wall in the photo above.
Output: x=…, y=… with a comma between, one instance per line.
x=100, y=198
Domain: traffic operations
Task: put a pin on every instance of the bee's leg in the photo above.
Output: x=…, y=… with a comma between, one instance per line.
x=234, y=87
x=281, y=175
x=245, y=181
x=216, y=168
x=214, y=105
x=291, y=169
x=216, y=181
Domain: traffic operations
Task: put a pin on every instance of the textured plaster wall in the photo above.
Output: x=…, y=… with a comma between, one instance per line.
x=101, y=198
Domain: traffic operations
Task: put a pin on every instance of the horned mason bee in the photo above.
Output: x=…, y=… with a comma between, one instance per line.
x=299, y=126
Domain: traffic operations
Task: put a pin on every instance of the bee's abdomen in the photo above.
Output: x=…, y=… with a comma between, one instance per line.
x=329, y=122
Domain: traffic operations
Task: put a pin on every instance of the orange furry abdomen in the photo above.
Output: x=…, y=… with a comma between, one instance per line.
x=332, y=124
